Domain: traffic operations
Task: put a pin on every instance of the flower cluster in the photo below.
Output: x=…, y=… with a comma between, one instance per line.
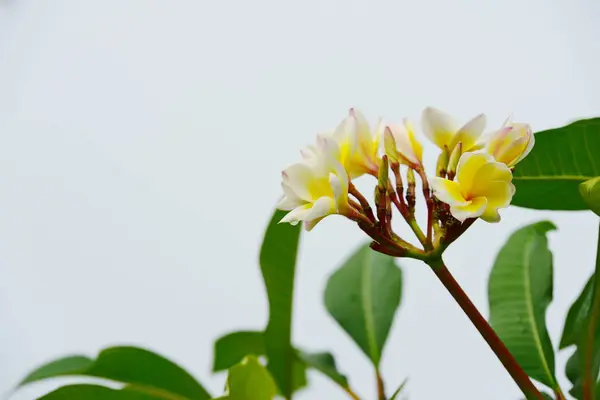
x=472, y=180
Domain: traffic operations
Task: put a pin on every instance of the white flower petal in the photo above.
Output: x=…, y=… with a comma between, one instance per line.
x=438, y=126
x=322, y=207
x=297, y=177
x=447, y=191
x=297, y=214
x=469, y=133
x=309, y=225
x=473, y=209
x=340, y=192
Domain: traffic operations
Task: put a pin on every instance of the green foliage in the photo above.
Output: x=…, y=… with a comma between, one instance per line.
x=66, y=366
x=95, y=392
x=549, y=177
x=363, y=296
x=233, y=347
x=278, y=265
x=520, y=290
x=577, y=316
x=398, y=391
x=582, y=328
x=590, y=192
x=141, y=371
x=575, y=366
x=325, y=363
x=249, y=380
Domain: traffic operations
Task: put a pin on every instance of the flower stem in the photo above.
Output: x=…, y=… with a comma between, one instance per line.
x=559, y=394
x=410, y=220
x=497, y=346
x=366, y=207
x=588, y=379
x=429, y=201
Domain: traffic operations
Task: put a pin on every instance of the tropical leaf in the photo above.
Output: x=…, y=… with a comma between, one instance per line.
x=278, y=265
x=139, y=369
x=577, y=316
x=549, y=177
x=520, y=290
x=583, y=328
x=249, y=380
x=590, y=192
x=363, y=296
x=232, y=348
x=96, y=392
x=324, y=363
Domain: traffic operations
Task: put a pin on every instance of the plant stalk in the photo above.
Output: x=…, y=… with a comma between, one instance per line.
x=497, y=346
x=429, y=202
x=380, y=387
x=352, y=395
x=588, y=379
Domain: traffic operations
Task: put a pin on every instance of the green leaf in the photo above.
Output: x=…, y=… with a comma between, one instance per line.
x=137, y=368
x=324, y=363
x=590, y=192
x=363, y=296
x=278, y=264
x=549, y=177
x=577, y=316
x=520, y=290
x=95, y=392
x=584, y=365
x=233, y=347
x=249, y=380
x=399, y=390
x=72, y=365
x=573, y=371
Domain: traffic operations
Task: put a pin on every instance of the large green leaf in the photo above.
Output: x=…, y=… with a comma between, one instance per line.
x=66, y=366
x=324, y=363
x=520, y=290
x=549, y=177
x=590, y=192
x=577, y=316
x=233, y=347
x=363, y=296
x=574, y=368
x=137, y=368
x=278, y=264
x=96, y=392
x=249, y=380
x=584, y=365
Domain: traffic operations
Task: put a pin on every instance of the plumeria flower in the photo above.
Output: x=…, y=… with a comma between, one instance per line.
x=315, y=187
x=483, y=185
x=511, y=143
x=445, y=132
x=401, y=144
x=358, y=145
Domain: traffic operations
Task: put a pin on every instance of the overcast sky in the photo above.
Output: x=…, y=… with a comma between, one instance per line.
x=141, y=144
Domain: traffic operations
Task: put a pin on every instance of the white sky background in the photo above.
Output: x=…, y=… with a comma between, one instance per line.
x=140, y=150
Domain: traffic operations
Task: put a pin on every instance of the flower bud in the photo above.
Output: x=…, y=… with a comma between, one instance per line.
x=442, y=163
x=401, y=144
x=411, y=198
x=511, y=143
x=383, y=173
